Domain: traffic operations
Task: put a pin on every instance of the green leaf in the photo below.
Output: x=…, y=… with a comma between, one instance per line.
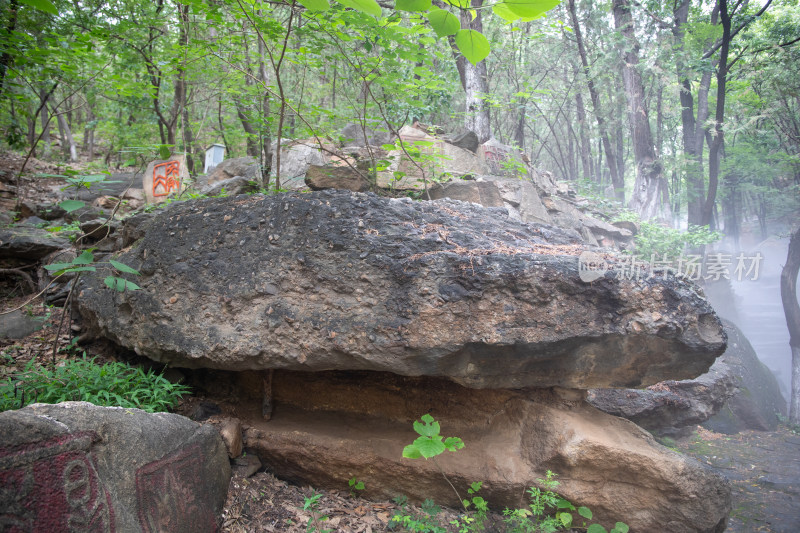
x=473, y=45
x=122, y=267
x=57, y=266
x=370, y=7
x=620, y=527
x=585, y=512
x=413, y=5
x=530, y=8
x=315, y=5
x=443, y=22
x=112, y=282
x=566, y=519
x=86, y=258
x=502, y=10
x=42, y=5
x=429, y=447
x=71, y=205
x=453, y=443
x=411, y=452
x=164, y=152
x=595, y=528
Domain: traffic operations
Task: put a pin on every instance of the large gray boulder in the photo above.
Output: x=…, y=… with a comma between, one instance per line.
x=758, y=402
x=350, y=281
x=75, y=466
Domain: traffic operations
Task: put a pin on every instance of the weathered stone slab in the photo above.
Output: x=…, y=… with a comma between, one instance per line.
x=29, y=243
x=76, y=466
x=329, y=177
x=331, y=426
x=341, y=280
x=164, y=178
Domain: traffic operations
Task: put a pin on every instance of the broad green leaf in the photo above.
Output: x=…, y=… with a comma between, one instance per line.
x=71, y=205
x=75, y=269
x=315, y=5
x=566, y=519
x=122, y=267
x=423, y=143
x=118, y=284
x=585, y=512
x=502, y=11
x=413, y=5
x=531, y=8
x=596, y=528
x=463, y=4
x=85, y=258
x=57, y=266
x=443, y=22
x=620, y=527
x=429, y=447
x=473, y=45
x=131, y=286
x=411, y=452
x=164, y=152
x=370, y=7
x=42, y=5
x=453, y=443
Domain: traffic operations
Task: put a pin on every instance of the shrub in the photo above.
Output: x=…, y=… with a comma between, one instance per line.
x=111, y=384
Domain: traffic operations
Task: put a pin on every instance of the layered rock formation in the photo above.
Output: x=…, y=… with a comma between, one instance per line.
x=442, y=307
x=336, y=280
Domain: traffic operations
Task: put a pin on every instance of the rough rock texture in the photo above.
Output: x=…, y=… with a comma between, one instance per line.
x=331, y=426
x=353, y=135
x=17, y=325
x=319, y=178
x=74, y=466
x=232, y=186
x=340, y=280
x=164, y=178
x=518, y=196
x=29, y=243
x=759, y=400
x=466, y=140
x=669, y=407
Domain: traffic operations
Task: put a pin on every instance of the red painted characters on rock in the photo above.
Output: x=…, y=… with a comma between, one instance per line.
x=53, y=486
x=166, y=178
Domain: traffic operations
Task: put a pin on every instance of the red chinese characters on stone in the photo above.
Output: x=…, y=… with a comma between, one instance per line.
x=166, y=178
x=169, y=493
x=53, y=486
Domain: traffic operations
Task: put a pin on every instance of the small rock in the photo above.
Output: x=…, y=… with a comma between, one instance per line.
x=231, y=431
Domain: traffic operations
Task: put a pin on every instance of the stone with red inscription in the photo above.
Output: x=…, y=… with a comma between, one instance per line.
x=165, y=178
x=78, y=467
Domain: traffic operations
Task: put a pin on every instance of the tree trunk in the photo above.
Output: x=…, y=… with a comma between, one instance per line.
x=616, y=179
x=650, y=191
x=718, y=137
x=6, y=59
x=68, y=141
x=792, y=311
x=476, y=82
x=180, y=109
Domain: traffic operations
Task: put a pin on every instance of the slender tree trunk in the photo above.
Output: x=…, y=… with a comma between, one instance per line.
x=6, y=59
x=476, y=82
x=45, y=140
x=251, y=137
x=616, y=179
x=718, y=135
x=68, y=141
x=792, y=311
x=650, y=196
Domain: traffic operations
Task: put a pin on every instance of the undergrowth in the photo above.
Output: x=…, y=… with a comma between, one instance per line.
x=110, y=384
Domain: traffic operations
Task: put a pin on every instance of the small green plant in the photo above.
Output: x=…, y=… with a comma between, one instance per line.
x=477, y=511
x=355, y=486
x=425, y=521
x=656, y=241
x=86, y=263
x=111, y=384
x=311, y=506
